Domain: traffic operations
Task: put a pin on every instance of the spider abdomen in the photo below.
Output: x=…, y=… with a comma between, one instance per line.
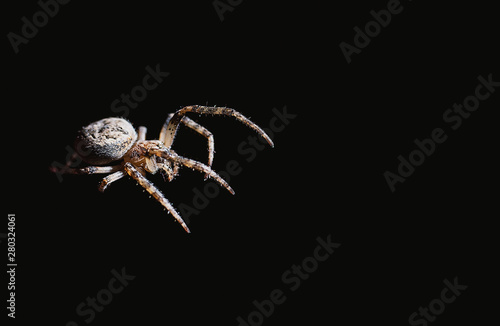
x=105, y=141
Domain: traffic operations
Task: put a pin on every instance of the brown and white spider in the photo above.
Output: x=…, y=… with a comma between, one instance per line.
x=114, y=140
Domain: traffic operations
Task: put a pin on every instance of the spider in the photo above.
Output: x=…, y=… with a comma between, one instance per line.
x=114, y=141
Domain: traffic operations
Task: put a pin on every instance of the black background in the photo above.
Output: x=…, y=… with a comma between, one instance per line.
x=324, y=176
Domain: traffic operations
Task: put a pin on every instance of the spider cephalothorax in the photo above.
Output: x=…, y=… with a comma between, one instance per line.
x=112, y=145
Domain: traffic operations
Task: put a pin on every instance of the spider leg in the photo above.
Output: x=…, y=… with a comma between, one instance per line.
x=141, y=134
x=153, y=191
x=109, y=179
x=165, y=169
x=196, y=127
x=163, y=132
x=173, y=123
x=89, y=169
x=195, y=165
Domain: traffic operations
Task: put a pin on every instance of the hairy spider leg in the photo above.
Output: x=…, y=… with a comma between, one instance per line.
x=196, y=127
x=107, y=180
x=192, y=164
x=89, y=169
x=166, y=170
x=141, y=133
x=66, y=169
x=153, y=191
x=173, y=124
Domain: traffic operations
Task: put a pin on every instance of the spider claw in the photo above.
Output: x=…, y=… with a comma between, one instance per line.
x=184, y=226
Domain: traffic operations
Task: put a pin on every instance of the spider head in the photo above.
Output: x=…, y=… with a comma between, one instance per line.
x=141, y=156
